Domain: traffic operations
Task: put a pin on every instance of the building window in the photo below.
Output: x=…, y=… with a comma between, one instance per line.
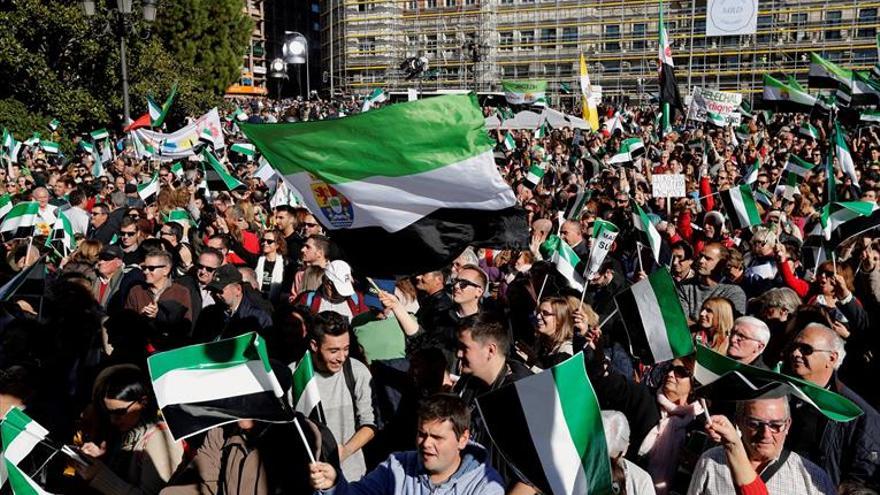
x=413, y=4
x=316, y=8
x=431, y=4
x=470, y=2
x=832, y=20
x=765, y=28
x=569, y=34
x=799, y=20
x=527, y=40
x=612, y=32
x=505, y=41
x=639, y=41
x=367, y=44
x=699, y=27
x=867, y=16
x=450, y=3
x=548, y=35
x=508, y=71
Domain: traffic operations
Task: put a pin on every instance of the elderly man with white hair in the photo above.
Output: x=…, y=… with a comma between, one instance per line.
x=850, y=451
x=748, y=339
x=636, y=480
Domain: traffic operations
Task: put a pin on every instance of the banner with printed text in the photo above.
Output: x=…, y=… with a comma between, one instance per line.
x=719, y=103
x=525, y=92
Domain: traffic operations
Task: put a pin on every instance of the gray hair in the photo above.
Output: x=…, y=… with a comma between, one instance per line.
x=837, y=343
x=781, y=297
x=616, y=432
x=741, y=407
x=761, y=328
x=763, y=234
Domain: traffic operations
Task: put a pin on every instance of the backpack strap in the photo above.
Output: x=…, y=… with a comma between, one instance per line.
x=313, y=302
x=348, y=374
x=772, y=469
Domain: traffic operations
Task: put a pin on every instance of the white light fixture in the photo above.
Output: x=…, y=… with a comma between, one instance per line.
x=294, y=49
x=124, y=6
x=149, y=7
x=88, y=7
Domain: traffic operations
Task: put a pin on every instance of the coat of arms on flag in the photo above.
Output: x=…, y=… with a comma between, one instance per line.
x=334, y=205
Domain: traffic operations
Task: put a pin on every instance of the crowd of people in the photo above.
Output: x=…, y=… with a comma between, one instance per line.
x=400, y=364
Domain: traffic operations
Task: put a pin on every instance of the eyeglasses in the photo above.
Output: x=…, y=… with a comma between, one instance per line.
x=209, y=269
x=310, y=225
x=736, y=334
x=165, y=232
x=94, y=213
x=680, y=371
x=462, y=284
x=122, y=411
x=267, y=241
x=545, y=314
x=774, y=426
x=150, y=268
x=826, y=273
x=805, y=349
x=127, y=234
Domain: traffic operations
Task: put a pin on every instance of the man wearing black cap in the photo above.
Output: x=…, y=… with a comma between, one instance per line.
x=113, y=283
x=234, y=313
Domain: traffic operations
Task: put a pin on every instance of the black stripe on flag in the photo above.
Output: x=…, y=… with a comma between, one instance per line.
x=854, y=227
x=432, y=242
x=632, y=319
x=188, y=419
x=502, y=415
x=19, y=233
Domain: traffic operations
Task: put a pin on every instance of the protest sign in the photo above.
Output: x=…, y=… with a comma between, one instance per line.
x=668, y=186
x=720, y=103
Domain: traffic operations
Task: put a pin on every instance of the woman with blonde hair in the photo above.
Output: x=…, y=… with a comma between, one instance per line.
x=87, y=252
x=714, y=323
x=313, y=277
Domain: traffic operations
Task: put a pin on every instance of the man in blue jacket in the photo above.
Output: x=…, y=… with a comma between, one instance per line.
x=445, y=462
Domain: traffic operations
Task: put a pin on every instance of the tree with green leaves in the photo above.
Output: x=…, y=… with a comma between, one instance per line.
x=57, y=63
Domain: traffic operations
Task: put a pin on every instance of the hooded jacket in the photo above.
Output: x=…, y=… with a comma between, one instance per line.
x=403, y=474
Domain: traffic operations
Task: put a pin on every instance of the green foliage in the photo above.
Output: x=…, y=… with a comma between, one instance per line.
x=217, y=37
x=56, y=63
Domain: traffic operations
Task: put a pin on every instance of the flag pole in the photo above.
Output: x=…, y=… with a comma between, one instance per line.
x=289, y=410
x=543, y=284
x=639, y=254
x=584, y=292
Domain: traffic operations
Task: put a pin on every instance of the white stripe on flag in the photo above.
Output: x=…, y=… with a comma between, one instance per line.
x=310, y=397
x=24, y=442
x=552, y=438
x=394, y=203
x=184, y=386
x=652, y=321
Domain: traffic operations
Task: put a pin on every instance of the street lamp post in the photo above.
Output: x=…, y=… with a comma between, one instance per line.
x=123, y=12
x=295, y=50
x=278, y=71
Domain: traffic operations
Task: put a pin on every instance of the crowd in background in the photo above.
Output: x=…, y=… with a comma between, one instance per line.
x=396, y=362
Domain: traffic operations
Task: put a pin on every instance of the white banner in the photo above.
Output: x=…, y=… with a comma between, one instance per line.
x=722, y=103
x=604, y=234
x=181, y=143
x=731, y=17
x=667, y=186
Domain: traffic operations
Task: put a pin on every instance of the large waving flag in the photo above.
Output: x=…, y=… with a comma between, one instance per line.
x=418, y=179
x=655, y=321
x=835, y=215
x=826, y=74
x=795, y=173
x=202, y=386
x=19, y=435
x=566, y=260
x=590, y=113
x=549, y=427
x=785, y=98
x=670, y=98
x=712, y=367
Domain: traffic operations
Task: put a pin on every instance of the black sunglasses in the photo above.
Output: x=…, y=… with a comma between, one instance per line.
x=150, y=268
x=680, y=371
x=805, y=349
x=464, y=283
x=267, y=241
x=209, y=269
x=122, y=411
x=127, y=234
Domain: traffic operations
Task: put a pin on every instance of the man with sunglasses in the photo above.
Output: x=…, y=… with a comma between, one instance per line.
x=849, y=452
x=764, y=424
x=198, y=278
x=101, y=228
x=165, y=305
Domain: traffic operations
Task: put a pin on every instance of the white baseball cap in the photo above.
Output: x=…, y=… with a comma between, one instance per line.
x=339, y=274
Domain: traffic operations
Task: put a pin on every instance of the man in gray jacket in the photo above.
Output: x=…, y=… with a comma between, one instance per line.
x=445, y=462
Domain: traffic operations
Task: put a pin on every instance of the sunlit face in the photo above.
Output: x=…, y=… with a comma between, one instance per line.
x=331, y=353
x=439, y=446
x=547, y=319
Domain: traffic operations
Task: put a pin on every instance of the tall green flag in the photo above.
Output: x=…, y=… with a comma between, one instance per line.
x=217, y=176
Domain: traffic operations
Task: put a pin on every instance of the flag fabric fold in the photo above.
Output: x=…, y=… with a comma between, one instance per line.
x=422, y=173
x=646, y=231
x=655, y=321
x=305, y=397
x=712, y=366
x=150, y=190
x=566, y=260
x=19, y=435
x=202, y=386
x=19, y=223
x=741, y=207
x=589, y=112
x=549, y=427
x=217, y=175
x=784, y=98
x=670, y=98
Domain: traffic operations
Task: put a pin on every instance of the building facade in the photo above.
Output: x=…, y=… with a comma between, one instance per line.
x=364, y=42
x=255, y=58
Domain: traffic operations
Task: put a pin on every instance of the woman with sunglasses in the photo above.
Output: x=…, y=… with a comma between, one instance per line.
x=131, y=449
x=664, y=443
x=833, y=291
x=272, y=268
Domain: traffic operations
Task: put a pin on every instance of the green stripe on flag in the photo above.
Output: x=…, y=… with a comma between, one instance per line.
x=750, y=205
x=584, y=419
x=216, y=355
x=434, y=132
x=677, y=331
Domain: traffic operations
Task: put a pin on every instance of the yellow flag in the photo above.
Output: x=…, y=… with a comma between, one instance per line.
x=590, y=113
